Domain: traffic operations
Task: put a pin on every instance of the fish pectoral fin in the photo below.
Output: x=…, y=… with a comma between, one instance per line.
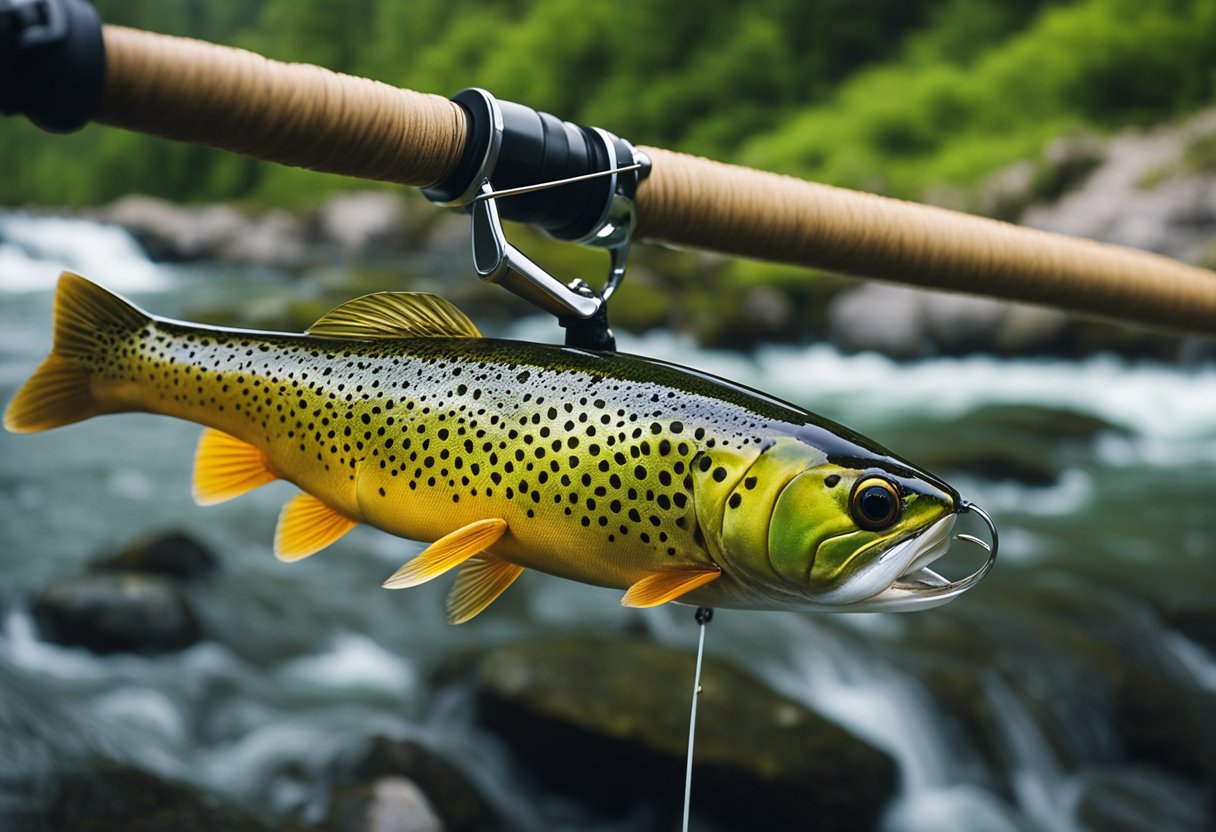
x=226, y=467
x=395, y=315
x=668, y=585
x=448, y=552
x=481, y=579
x=306, y=526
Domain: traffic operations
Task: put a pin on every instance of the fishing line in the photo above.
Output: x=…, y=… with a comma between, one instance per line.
x=704, y=616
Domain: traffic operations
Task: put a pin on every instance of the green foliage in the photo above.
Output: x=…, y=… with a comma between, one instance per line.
x=879, y=94
x=904, y=126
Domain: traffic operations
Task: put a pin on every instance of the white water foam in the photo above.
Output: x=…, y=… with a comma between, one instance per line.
x=34, y=250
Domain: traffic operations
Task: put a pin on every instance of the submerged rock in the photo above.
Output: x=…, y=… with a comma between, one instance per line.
x=371, y=775
x=607, y=720
x=116, y=612
x=167, y=553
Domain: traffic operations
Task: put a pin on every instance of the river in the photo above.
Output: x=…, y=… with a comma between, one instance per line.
x=1020, y=706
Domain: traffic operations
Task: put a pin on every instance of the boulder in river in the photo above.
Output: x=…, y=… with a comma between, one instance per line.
x=607, y=721
x=111, y=796
x=116, y=612
x=175, y=554
x=373, y=775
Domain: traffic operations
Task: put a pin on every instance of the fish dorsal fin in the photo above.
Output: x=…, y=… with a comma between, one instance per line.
x=448, y=552
x=481, y=579
x=226, y=467
x=395, y=315
x=668, y=585
x=307, y=526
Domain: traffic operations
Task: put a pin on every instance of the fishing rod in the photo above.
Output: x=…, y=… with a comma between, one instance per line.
x=62, y=67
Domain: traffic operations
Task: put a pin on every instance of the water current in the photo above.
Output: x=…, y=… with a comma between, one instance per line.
x=1002, y=709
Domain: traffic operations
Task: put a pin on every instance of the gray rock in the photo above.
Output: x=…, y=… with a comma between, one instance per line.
x=363, y=220
x=116, y=612
x=387, y=804
x=175, y=554
x=1144, y=195
x=454, y=798
x=178, y=233
x=907, y=323
x=607, y=720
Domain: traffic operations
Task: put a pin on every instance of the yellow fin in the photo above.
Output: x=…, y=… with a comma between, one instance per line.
x=447, y=552
x=56, y=394
x=395, y=315
x=227, y=467
x=481, y=579
x=668, y=585
x=88, y=318
x=307, y=526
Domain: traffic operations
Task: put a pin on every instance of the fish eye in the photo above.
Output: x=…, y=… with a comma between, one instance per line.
x=874, y=504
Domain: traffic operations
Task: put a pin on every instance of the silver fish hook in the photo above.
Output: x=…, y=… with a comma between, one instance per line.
x=969, y=507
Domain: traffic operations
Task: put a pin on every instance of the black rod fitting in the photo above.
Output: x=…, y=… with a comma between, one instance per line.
x=515, y=146
x=52, y=62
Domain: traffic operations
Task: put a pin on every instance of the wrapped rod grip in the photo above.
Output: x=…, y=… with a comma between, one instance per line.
x=293, y=114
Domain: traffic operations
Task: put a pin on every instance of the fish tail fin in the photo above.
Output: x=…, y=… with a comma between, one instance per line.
x=87, y=319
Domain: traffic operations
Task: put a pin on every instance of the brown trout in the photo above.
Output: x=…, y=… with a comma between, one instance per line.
x=609, y=469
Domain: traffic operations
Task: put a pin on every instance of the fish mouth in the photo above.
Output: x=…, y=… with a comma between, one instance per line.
x=916, y=586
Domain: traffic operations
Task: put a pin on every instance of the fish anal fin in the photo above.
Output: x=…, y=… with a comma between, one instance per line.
x=668, y=585
x=481, y=579
x=306, y=526
x=448, y=552
x=226, y=467
x=395, y=315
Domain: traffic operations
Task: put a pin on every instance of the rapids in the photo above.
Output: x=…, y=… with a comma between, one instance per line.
x=1005, y=709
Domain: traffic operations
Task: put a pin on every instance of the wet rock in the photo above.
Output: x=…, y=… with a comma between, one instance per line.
x=110, y=796
x=1134, y=800
x=1162, y=722
x=175, y=554
x=453, y=798
x=387, y=804
x=1021, y=443
x=607, y=720
x=906, y=323
x=116, y=612
x=177, y=233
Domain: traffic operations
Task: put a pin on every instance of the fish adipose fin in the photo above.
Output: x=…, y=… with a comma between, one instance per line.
x=395, y=315
x=481, y=579
x=88, y=319
x=448, y=552
x=307, y=526
x=668, y=585
x=226, y=467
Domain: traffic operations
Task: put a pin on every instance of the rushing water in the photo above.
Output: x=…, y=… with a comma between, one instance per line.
x=306, y=656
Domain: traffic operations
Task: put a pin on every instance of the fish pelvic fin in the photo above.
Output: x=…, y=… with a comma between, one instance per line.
x=306, y=526
x=481, y=579
x=668, y=585
x=226, y=467
x=87, y=320
x=395, y=315
x=448, y=552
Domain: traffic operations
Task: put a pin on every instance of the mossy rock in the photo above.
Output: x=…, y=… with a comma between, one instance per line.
x=607, y=721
